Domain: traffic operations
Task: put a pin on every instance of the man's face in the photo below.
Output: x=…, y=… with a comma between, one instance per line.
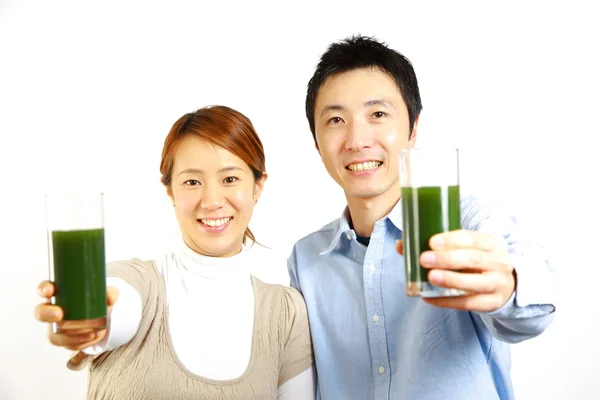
x=361, y=124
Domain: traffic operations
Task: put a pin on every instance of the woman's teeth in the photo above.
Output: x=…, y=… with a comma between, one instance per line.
x=215, y=222
x=366, y=166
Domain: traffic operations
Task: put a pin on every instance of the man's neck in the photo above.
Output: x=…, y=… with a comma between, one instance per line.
x=366, y=212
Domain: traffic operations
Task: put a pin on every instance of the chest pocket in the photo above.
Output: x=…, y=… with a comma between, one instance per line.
x=437, y=345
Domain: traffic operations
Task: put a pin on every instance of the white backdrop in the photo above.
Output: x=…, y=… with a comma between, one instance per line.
x=88, y=91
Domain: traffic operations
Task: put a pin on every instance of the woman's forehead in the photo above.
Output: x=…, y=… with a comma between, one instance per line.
x=201, y=154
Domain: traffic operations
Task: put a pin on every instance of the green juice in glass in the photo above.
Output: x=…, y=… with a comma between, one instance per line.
x=79, y=275
x=427, y=210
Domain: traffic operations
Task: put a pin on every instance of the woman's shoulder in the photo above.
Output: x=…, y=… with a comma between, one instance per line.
x=132, y=263
x=141, y=274
x=274, y=287
x=290, y=298
x=132, y=266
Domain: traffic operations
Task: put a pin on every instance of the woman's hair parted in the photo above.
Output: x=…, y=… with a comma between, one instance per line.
x=223, y=127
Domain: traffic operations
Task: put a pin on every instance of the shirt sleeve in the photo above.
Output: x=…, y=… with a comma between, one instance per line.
x=301, y=387
x=530, y=310
x=297, y=351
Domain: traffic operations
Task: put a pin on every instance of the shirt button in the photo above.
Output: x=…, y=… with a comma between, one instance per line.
x=375, y=318
x=355, y=256
x=372, y=268
x=381, y=370
x=348, y=236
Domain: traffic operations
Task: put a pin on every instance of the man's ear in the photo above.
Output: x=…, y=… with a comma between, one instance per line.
x=413, y=133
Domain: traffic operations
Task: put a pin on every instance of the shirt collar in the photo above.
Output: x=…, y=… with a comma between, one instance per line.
x=396, y=215
x=344, y=230
x=214, y=268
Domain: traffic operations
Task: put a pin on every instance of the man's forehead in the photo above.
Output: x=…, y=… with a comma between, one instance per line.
x=363, y=81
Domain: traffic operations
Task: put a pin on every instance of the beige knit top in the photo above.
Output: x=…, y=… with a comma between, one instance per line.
x=148, y=368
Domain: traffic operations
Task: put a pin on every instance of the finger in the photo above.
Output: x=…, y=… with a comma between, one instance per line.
x=99, y=337
x=48, y=313
x=112, y=294
x=469, y=282
x=457, y=259
x=472, y=302
x=76, y=360
x=80, y=346
x=64, y=340
x=400, y=247
x=75, y=327
x=46, y=289
x=76, y=332
x=463, y=239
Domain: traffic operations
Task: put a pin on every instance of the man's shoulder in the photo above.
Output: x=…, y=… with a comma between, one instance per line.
x=476, y=211
x=321, y=238
x=326, y=231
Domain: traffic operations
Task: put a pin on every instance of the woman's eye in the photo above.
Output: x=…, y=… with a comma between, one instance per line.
x=230, y=179
x=192, y=182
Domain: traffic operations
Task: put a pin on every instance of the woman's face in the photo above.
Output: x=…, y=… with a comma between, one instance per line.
x=214, y=193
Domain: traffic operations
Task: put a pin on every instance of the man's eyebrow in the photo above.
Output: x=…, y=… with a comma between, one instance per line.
x=331, y=107
x=380, y=102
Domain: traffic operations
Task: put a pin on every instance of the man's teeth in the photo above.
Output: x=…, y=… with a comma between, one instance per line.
x=366, y=166
x=215, y=222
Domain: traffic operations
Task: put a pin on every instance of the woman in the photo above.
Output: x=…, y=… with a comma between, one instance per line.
x=195, y=324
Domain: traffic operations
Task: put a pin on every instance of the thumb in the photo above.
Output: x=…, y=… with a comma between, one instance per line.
x=112, y=294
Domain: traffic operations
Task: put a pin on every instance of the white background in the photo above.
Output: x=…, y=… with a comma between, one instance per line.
x=89, y=90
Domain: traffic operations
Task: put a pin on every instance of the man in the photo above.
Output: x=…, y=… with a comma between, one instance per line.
x=370, y=340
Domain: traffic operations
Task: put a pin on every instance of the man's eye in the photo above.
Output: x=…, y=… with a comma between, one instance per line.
x=192, y=182
x=230, y=179
x=335, y=120
x=379, y=114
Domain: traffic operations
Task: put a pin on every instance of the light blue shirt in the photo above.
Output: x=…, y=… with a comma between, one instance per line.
x=371, y=342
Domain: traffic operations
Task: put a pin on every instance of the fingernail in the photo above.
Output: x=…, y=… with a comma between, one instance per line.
x=397, y=241
x=437, y=241
x=428, y=257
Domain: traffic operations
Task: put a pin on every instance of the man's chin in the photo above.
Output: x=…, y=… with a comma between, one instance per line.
x=365, y=193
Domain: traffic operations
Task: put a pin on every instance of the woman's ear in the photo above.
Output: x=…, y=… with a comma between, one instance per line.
x=170, y=194
x=259, y=185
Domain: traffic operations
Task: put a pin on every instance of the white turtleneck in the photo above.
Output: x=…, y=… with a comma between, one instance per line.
x=224, y=289
x=211, y=317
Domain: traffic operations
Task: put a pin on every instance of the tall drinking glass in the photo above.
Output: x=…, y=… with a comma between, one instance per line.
x=75, y=224
x=430, y=205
